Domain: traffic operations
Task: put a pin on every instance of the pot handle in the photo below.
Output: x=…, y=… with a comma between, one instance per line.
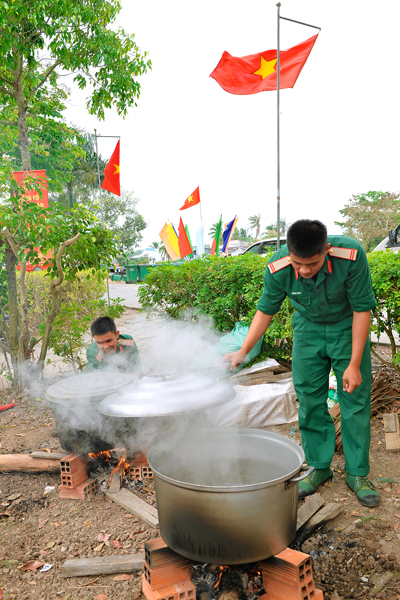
x=307, y=470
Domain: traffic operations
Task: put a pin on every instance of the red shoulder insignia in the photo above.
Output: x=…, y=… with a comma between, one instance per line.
x=279, y=264
x=347, y=253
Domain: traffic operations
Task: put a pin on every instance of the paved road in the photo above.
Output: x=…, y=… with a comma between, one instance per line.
x=128, y=292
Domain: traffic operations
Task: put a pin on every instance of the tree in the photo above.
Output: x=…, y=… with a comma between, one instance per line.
x=72, y=240
x=241, y=234
x=368, y=217
x=121, y=217
x=255, y=223
x=42, y=41
x=270, y=231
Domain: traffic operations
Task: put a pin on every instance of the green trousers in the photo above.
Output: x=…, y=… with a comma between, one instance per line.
x=318, y=347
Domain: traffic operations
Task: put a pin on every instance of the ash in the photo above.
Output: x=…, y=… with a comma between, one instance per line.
x=236, y=582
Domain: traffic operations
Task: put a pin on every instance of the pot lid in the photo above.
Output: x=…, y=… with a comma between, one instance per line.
x=88, y=387
x=160, y=396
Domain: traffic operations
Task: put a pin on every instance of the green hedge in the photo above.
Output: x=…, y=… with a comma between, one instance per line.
x=225, y=289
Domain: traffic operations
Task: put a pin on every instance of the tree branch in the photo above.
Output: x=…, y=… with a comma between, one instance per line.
x=56, y=282
x=46, y=75
x=7, y=91
x=5, y=123
x=11, y=241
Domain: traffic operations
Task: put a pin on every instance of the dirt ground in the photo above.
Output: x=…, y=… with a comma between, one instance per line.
x=357, y=555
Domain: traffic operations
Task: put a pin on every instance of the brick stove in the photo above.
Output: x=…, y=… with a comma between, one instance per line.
x=75, y=483
x=168, y=576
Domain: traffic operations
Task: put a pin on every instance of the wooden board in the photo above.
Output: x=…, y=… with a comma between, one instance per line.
x=309, y=508
x=102, y=565
x=329, y=512
x=136, y=506
x=392, y=432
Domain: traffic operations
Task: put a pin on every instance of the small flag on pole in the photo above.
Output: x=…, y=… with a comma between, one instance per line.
x=173, y=238
x=228, y=233
x=257, y=72
x=215, y=244
x=192, y=200
x=164, y=237
x=111, y=173
x=185, y=247
x=188, y=234
x=200, y=241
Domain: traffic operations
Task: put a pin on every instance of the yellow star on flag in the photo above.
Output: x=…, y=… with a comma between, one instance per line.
x=266, y=67
x=116, y=169
x=190, y=199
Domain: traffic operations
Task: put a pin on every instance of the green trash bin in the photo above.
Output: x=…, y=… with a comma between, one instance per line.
x=131, y=273
x=143, y=271
x=116, y=277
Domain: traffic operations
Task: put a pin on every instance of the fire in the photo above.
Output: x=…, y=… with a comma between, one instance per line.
x=105, y=455
x=122, y=463
x=221, y=570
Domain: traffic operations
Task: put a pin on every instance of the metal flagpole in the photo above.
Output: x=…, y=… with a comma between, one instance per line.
x=278, y=158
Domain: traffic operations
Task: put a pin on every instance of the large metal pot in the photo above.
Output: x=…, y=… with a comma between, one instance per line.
x=75, y=400
x=227, y=495
x=160, y=406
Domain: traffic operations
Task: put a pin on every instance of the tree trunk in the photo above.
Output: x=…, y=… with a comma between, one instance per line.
x=24, y=333
x=23, y=139
x=13, y=314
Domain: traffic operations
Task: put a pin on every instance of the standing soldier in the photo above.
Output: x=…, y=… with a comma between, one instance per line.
x=328, y=282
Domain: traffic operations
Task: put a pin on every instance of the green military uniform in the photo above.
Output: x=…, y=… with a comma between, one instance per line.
x=126, y=349
x=322, y=325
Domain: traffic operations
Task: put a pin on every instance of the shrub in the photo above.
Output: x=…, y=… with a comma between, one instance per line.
x=226, y=289
x=82, y=303
x=385, y=272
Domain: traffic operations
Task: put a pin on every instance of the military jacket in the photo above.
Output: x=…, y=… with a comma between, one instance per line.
x=126, y=348
x=343, y=284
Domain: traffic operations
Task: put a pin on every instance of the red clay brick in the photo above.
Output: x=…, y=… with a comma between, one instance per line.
x=72, y=463
x=140, y=471
x=159, y=555
x=71, y=480
x=181, y=570
x=82, y=492
x=184, y=590
x=288, y=575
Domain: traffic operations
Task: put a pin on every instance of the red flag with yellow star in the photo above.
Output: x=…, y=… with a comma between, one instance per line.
x=257, y=72
x=111, y=173
x=192, y=200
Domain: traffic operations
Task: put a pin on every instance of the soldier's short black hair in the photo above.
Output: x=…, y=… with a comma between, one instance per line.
x=306, y=238
x=103, y=325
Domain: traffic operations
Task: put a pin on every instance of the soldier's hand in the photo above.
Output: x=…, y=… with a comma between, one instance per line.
x=235, y=358
x=351, y=379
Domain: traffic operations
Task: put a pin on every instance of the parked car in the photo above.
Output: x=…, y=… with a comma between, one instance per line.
x=392, y=241
x=265, y=246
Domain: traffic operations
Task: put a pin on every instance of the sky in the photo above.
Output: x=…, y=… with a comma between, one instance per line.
x=340, y=123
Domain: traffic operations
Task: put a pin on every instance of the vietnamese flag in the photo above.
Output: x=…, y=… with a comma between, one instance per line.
x=192, y=200
x=111, y=173
x=257, y=72
x=185, y=247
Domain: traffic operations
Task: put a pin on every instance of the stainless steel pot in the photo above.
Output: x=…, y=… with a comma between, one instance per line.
x=227, y=495
x=75, y=400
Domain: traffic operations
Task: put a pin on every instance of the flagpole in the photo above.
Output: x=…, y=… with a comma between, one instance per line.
x=278, y=158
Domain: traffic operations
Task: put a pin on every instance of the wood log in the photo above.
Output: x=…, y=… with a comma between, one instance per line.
x=102, y=565
x=392, y=432
x=56, y=455
x=28, y=464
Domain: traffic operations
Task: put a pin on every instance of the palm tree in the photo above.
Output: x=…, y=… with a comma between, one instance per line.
x=255, y=223
x=162, y=250
x=270, y=231
x=155, y=245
